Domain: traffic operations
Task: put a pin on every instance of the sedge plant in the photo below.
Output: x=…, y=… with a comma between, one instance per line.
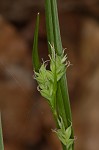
x=1, y=136
x=52, y=82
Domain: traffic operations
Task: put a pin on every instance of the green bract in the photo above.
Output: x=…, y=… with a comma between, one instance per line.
x=47, y=79
x=64, y=134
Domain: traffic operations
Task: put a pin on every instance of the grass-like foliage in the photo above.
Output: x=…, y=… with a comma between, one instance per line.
x=52, y=83
x=1, y=136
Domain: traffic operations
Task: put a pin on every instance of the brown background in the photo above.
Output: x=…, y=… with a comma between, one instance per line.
x=26, y=117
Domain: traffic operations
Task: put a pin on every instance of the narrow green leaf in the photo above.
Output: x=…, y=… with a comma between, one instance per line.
x=60, y=105
x=63, y=103
x=49, y=25
x=59, y=50
x=56, y=29
x=35, y=56
x=1, y=136
x=50, y=37
x=65, y=95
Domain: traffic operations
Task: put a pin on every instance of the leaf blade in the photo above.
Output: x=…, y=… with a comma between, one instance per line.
x=1, y=136
x=35, y=56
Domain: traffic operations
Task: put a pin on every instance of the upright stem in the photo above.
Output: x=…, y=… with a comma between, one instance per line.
x=53, y=34
x=1, y=136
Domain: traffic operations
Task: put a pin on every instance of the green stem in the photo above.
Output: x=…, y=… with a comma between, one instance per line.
x=1, y=136
x=64, y=147
x=51, y=38
x=60, y=104
x=49, y=25
x=53, y=29
x=56, y=29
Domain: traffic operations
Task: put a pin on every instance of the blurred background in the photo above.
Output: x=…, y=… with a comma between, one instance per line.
x=26, y=117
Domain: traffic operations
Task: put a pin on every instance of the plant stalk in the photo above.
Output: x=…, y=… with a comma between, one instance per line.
x=1, y=136
x=52, y=25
